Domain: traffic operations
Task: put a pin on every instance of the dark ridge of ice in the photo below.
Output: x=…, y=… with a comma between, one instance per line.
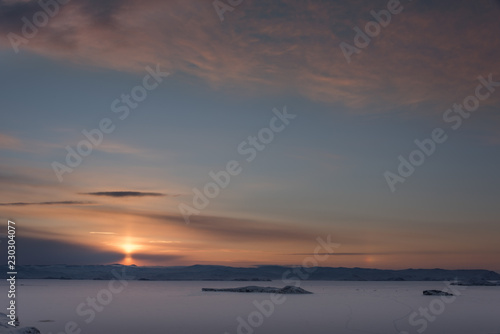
x=261, y=289
x=436, y=293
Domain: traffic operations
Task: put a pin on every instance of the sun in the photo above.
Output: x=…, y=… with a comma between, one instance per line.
x=128, y=248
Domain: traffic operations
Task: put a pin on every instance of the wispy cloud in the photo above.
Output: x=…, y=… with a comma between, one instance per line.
x=46, y=203
x=8, y=142
x=438, y=42
x=121, y=148
x=164, y=242
x=236, y=229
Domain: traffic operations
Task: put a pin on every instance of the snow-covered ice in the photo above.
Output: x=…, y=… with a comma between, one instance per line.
x=157, y=307
x=6, y=328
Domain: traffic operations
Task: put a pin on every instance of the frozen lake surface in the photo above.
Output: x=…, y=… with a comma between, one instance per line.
x=180, y=307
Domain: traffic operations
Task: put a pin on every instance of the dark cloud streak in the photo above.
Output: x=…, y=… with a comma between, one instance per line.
x=33, y=250
x=125, y=194
x=374, y=253
x=157, y=258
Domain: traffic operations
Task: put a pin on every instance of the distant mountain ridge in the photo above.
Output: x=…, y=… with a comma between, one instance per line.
x=258, y=273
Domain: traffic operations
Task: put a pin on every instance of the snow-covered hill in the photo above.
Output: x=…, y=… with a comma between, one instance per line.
x=258, y=273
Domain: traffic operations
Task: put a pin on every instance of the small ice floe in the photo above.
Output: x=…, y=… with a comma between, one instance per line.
x=436, y=293
x=289, y=289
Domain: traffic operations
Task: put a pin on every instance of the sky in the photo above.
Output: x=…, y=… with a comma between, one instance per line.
x=239, y=132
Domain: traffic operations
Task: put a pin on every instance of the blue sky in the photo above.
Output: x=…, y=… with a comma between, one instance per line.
x=322, y=175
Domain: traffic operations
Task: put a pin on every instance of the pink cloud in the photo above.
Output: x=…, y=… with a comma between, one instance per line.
x=428, y=54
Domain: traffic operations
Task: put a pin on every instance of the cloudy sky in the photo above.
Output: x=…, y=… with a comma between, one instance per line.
x=117, y=114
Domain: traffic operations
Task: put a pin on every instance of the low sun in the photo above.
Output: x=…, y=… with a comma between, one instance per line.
x=129, y=248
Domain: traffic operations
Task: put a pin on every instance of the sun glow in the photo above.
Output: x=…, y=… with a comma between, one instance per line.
x=129, y=248
x=128, y=260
